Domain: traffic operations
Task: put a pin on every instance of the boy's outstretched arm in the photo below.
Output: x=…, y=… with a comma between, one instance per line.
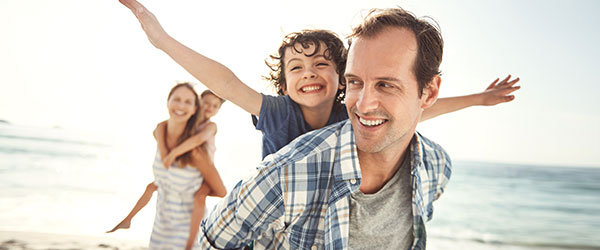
x=141, y=203
x=494, y=94
x=191, y=143
x=214, y=75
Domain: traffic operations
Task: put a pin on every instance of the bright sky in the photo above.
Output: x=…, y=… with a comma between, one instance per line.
x=87, y=65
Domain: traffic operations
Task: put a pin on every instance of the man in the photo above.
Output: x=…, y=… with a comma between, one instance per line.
x=366, y=182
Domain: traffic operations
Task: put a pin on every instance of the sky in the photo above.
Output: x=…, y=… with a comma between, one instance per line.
x=87, y=65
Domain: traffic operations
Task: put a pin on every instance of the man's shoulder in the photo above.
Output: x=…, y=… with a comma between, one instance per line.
x=431, y=154
x=313, y=143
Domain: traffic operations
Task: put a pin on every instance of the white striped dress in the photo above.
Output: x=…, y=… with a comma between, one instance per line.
x=176, y=188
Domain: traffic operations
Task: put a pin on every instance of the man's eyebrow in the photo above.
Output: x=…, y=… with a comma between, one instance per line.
x=384, y=78
x=389, y=79
x=350, y=75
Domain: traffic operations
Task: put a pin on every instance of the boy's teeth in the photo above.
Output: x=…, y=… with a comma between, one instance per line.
x=370, y=123
x=311, y=88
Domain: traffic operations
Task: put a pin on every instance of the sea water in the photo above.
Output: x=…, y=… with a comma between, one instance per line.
x=63, y=181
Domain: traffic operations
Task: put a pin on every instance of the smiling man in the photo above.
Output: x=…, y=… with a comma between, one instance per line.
x=365, y=183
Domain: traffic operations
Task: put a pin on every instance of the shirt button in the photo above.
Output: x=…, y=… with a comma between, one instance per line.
x=352, y=181
x=314, y=247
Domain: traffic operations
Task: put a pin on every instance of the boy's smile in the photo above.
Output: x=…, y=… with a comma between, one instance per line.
x=312, y=82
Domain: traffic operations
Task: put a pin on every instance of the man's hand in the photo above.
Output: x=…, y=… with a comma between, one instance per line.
x=156, y=34
x=498, y=92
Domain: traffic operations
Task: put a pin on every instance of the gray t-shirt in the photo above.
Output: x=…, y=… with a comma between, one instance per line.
x=383, y=220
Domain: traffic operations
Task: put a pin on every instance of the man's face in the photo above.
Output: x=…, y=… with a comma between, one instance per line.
x=382, y=95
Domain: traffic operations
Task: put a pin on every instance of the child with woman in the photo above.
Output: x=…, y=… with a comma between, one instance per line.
x=184, y=184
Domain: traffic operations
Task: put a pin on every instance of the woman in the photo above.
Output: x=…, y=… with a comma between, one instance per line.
x=182, y=186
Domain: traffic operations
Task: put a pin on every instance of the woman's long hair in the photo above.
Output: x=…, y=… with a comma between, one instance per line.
x=191, y=126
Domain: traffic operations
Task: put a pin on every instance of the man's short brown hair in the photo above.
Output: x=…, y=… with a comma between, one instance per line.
x=429, y=39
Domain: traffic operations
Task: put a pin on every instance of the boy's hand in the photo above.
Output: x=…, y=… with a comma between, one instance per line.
x=149, y=23
x=499, y=92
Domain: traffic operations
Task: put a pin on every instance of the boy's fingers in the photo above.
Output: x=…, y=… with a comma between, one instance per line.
x=493, y=83
x=505, y=79
x=511, y=83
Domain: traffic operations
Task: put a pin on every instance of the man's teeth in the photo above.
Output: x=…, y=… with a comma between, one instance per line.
x=179, y=112
x=311, y=88
x=370, y=123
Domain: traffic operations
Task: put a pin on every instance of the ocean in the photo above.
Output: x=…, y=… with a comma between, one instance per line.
x=80, y=183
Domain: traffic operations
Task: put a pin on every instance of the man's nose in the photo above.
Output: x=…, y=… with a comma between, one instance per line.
x=368, y=100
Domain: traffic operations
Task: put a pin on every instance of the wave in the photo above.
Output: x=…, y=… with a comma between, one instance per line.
x=537, y=245
x=46, y=139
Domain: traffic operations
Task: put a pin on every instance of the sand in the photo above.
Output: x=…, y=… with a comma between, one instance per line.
x=46, y=241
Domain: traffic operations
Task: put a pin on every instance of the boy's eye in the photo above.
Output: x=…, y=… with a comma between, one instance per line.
x=322, y=64
x=295, y=68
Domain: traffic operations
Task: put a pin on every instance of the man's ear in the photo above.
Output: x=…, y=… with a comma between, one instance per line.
x=430, y=93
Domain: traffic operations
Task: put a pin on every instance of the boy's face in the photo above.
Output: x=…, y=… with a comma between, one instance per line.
x=312, y=82
x=210, y=105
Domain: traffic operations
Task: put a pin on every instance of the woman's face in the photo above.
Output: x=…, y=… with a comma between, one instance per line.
x=182, y=104
x=210, y=105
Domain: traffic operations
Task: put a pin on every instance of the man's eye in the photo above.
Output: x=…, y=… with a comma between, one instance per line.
x=352, y=82
x=385, y=85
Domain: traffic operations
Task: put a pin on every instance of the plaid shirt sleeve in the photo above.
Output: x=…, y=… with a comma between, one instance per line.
x=249, y=209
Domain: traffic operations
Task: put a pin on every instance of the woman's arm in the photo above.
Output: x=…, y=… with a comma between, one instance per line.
x=141, y=203
x=191, y=143
x=494, y=94
x=214, y=75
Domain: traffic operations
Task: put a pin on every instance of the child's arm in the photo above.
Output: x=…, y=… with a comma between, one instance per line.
x=494, y=94
x=159, y=136
x=201, y=160
x=214, y=75
x=141, y=203
x=191, y=143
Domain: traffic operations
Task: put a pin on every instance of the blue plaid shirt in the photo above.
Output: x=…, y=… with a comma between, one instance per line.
x=300, y=196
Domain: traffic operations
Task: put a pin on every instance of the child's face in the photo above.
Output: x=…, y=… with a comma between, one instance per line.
x=210, y=105
x=312, y=82
x=181, y=104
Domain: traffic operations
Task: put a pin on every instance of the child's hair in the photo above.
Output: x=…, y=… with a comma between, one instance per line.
x=335, y=51
x=209, y=92
x=191, y=125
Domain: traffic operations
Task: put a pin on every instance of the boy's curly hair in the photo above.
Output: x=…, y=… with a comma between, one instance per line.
x=335, y=51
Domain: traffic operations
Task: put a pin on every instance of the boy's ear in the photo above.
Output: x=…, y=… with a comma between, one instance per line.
x=284, y=89
x=430, y=93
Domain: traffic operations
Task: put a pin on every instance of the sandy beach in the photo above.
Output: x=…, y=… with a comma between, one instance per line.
x=34, y=241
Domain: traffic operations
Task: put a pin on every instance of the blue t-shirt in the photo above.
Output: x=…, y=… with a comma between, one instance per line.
x=281, y=121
